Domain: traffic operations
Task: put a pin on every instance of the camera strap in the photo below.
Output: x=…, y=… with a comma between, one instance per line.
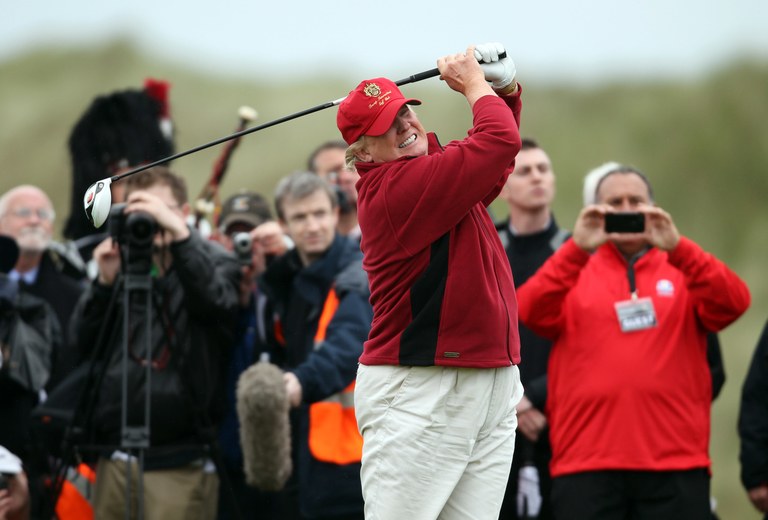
x=164, y=344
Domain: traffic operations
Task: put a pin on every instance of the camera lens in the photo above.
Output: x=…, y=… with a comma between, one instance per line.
x=241, y=243
x=141, y=229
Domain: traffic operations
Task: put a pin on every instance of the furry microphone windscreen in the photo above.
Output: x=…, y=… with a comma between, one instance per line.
x=265, y=431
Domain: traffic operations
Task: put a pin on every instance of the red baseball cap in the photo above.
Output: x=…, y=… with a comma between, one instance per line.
x=370, y=109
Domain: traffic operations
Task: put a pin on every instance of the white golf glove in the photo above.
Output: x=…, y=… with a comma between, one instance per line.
x=498, y=72
x=528, y=493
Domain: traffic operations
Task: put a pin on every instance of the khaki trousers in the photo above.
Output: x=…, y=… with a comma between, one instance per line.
x=186, y=493
x=437, y=441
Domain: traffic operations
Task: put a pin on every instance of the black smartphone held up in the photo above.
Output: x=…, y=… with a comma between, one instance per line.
x=626, y=222
x=3, y=481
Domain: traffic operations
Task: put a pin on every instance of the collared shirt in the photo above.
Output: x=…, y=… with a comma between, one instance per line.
x=29, y=277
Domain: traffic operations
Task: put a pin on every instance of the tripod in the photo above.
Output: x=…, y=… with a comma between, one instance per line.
x=135, y=438
x=121, y=361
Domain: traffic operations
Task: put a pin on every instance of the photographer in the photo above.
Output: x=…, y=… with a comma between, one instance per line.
x=246, y=228
x=29, y=334
x=328, y=161
x=194, y=302
x=628, y=309
x=44, y=268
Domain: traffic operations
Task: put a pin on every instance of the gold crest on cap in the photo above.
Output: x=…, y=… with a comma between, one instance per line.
x=371, y=90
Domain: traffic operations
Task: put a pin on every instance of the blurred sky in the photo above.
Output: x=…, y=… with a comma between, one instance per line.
x=582, y=42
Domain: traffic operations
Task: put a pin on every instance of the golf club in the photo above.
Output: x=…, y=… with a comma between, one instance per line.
x=98, y=197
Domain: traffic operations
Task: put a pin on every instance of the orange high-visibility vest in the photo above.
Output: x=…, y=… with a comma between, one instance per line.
x=333, y=433
x=75, y=498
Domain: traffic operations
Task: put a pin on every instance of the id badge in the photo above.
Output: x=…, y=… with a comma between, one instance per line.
x=636, y=314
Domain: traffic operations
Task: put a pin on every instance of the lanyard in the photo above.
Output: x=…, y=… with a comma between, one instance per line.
x=631, y=277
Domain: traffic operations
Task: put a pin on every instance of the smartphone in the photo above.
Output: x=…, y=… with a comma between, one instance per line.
x=626, y=222
x=3, y=481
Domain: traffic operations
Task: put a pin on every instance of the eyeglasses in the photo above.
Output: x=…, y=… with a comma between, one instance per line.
x=42, y=213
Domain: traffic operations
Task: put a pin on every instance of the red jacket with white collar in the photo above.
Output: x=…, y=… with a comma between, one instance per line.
x=630, y=400
x=441, y=286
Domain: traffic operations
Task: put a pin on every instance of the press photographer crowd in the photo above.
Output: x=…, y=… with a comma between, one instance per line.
x=366, y=341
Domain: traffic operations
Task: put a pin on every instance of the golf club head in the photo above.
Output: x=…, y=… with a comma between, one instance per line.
x=97, y=201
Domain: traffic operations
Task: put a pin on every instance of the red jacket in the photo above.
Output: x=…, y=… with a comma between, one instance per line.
x=441, y=286
x=630, y=400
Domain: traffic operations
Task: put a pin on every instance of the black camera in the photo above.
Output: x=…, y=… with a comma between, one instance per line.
x=9, y=253
x=242, y=246
x=626, y=222
x=135, y=233
x=345, y=205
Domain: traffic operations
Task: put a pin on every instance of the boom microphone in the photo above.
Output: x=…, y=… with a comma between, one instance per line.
x=265, y=430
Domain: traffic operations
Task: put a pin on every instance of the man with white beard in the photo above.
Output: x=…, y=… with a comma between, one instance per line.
x=43, y=269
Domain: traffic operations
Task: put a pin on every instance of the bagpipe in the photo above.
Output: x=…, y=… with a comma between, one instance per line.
x=207, y=206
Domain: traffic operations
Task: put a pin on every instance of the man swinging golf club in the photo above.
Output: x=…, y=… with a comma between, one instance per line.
x=437, y=383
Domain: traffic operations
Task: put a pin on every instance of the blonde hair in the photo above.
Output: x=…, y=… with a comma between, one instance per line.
x=350, y=156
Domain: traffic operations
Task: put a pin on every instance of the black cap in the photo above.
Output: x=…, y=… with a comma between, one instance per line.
x=247, y=207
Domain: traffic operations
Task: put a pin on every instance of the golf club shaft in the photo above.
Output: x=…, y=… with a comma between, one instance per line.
x=225, y=139
x=429, y=74
x=418, y=77
x=410, y=79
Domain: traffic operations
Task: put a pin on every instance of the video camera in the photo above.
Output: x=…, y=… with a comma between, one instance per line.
x=135, y=233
